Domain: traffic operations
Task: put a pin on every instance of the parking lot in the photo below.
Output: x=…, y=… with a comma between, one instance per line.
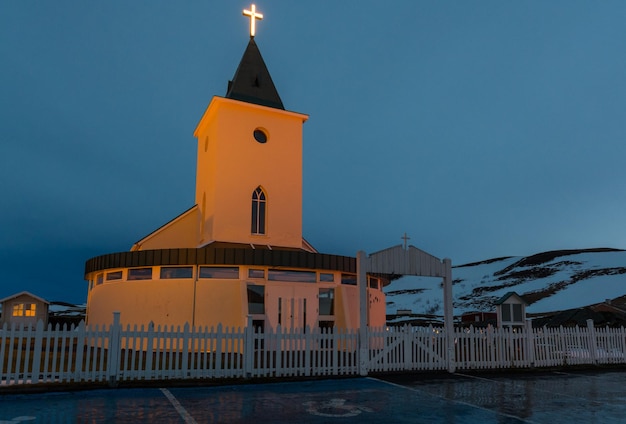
x=551, y=397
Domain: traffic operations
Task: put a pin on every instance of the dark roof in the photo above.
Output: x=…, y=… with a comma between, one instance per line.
x=506, y=296
x=222, y=254
x=24, y=293
x=252, y=82
x=164, y=225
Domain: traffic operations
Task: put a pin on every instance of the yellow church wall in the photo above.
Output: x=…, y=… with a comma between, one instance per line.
x=206, y=182
x=181, y=232
x=221, y=302
x=347, y=315
x=214, y=301
x=348, y=299
x=276, y=166
x=163, y=302
x=377, y=311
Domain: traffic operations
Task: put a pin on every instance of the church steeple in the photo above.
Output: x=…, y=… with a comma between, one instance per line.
x=252, y=82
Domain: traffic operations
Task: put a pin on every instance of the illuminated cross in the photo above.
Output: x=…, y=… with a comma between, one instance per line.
x=405, y=238
x=253, y=17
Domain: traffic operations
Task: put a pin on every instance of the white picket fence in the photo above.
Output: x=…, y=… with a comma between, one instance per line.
x=113, y=354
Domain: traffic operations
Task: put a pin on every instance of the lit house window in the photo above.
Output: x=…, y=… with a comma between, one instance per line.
x=24, y=310
x=259, y=204
x=30, y=309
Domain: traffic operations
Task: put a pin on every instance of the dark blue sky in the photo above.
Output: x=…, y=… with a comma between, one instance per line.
x=480, y=129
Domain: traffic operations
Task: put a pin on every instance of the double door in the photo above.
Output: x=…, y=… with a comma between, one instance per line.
x=291, y=307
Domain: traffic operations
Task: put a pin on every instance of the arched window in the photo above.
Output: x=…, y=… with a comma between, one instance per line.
x=258, y=211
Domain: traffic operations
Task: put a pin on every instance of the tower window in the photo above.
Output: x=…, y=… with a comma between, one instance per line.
x=260, y=136
x=259, y=205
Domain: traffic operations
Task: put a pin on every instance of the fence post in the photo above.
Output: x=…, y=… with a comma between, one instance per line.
x=113, y=357
x=308, y=349
x=80, y=350
x=593, y=341
x=448, y=320
x=36, y=352
x=361, y=268
x=248, y=349
x=149, y=373
x=184, y=366
x=530, y=344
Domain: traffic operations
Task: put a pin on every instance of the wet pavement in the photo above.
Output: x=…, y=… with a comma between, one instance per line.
x=554, y=398
x=549, y=397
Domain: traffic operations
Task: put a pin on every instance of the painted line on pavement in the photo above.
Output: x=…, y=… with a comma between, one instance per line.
x=179, y=408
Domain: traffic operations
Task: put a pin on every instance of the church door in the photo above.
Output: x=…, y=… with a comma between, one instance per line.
x=290, y=308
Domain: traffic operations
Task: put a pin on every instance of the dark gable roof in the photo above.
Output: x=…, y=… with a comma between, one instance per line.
x=252, y=82
x=24, y=293
x=506, y=296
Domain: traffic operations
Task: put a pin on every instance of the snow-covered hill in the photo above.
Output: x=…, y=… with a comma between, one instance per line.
x=549, y=281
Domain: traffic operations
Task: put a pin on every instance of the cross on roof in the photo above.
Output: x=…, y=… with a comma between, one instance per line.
x=252, y=13
x=405, y=238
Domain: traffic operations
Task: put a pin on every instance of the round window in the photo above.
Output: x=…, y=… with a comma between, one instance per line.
x=260, y=136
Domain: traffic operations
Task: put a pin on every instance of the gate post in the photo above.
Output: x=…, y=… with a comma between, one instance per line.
x=593, y=341
x=361, y=269
x=530, y=344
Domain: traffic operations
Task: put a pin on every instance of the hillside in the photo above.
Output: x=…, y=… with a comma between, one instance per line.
x=549, y=281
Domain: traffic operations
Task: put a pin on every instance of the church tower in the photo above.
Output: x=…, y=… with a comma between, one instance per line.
x=249, y=169
x=237, y=257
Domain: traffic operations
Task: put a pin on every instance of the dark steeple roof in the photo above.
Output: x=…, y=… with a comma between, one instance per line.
x=252, y=82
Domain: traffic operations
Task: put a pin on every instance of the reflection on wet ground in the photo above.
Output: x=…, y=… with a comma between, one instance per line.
x=554, y=398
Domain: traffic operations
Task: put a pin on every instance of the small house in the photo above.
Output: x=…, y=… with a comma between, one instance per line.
x=511, y=310
x=478, y=319
x=24, y=308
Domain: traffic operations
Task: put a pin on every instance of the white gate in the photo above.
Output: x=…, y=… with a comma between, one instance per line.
x=406, y=261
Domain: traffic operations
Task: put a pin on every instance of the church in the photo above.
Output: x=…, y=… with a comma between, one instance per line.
x=238, y=253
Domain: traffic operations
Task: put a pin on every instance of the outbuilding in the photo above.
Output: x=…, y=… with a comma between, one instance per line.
x=24, y=308
x=511, y=310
